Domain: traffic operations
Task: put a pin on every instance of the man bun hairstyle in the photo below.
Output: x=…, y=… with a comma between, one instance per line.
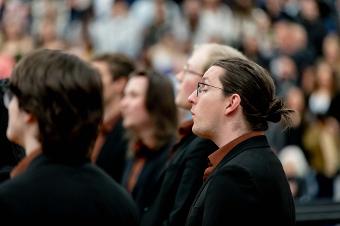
x=257, y=91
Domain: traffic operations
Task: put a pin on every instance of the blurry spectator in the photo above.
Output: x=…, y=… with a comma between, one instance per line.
x=10, y=153
x=321, y=137
x=321, y=140
x=281, y=10
x=150, y=116
x=47, y=36
x=258, y=45
x=331, y=54
x=16, y=41
x=278, y=137
x=216, y=24
x=191, y=11
x=307, y=83
x=110, y=148
x=166, y=55
x=310, y=18
x=301, y=177
x=55, y=105
x=165, y=15
x=119, y=33
x=325, y=89
x=56, y=11
x=157, y=17
x=285, y=74
x=244, y=19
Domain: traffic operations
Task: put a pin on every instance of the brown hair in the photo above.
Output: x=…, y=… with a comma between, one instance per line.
x=160, y=103
x=65, y=95
x=257, y=91
x=119, y=64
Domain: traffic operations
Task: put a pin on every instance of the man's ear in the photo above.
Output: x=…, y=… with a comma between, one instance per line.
x=232, y=103
x=29, y=117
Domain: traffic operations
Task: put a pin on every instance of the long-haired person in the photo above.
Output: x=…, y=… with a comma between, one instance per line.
x=150, y=116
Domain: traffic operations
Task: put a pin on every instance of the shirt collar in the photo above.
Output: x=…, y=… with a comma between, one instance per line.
x=24, y=163
x=216, y=157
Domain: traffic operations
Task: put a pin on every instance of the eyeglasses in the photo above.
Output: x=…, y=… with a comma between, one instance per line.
x=7, y=97
x=187, y=70
x=201, y=86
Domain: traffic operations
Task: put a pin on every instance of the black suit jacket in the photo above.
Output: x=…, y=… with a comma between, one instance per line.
x=146, y=188
x=248, y=187
x=112, y=156
x=180, y=181
x=59, y=194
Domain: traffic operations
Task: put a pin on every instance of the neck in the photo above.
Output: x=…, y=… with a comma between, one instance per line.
x=112, y=110
x=234, y=131
x=148, y=138
x=31, y=142
x=32, y=145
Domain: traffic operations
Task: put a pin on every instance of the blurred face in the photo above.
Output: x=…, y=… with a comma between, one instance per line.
x=106, y=78
x=135, y=114
x=188, y=78
x=16, y=123
x=208, y=104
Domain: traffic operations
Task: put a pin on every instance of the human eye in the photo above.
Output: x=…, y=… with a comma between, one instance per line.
x=201, y=87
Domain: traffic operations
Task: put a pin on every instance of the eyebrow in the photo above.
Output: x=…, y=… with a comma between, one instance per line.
x=205, y=79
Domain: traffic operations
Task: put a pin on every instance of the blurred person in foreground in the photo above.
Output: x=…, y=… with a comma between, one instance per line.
x=245, y=182
x=110, y=148
x=10, y=153
x=184, y=173
x=55, y=105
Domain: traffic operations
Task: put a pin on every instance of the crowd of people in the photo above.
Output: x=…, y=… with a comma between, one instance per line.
x=164, y=109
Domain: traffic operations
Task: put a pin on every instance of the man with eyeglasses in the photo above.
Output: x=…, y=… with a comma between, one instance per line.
x=184, y=173
x=245, y=183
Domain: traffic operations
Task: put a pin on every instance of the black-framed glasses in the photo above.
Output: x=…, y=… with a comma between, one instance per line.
x=187, y=70
x=201, y=86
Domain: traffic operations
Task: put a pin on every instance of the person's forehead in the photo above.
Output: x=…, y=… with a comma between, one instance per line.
x=138, y=82
x=213, y=73
x=198, y=59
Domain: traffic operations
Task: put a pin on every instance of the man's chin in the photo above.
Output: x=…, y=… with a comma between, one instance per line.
x=196, y=131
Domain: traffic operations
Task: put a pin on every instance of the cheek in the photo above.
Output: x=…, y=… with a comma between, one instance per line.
x=136, y=111
x=188, y=87
x=12, y=129
x=141, y=113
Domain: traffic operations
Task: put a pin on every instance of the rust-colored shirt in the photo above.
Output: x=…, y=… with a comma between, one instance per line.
x=216, y=157
x=101, y=138
x=24, y=163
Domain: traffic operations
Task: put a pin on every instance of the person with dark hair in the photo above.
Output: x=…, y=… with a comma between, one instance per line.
x=10, y=153
x=55, y=106
x=110, y=148
x=244, y=182
x=183, y=176
x=150, y=117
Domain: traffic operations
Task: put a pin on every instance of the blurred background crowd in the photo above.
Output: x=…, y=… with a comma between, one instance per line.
x=297, y=41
